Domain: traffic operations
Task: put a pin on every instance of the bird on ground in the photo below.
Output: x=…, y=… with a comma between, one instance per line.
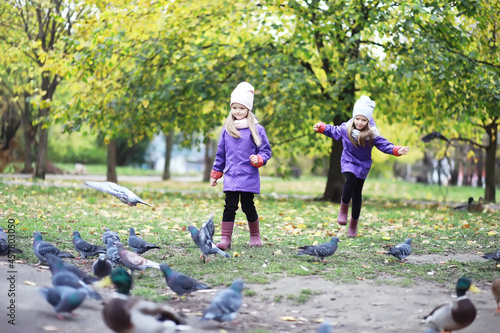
x=471, y=206
x=179, y=283
x=454, y=315
x=325, y=327
x=124, y=194
x=495, y=290
x=225, y=304
x=102, y=266
x=492, y=256
x=42, y=248
x=108, y=234
x=401, y=251
x=435, y=135
x=88, y=279
x=321, y=250
x=139, y=245
x=112, y=253
x=5, y=248
x=85, y=248
x=203, y=238
x=63, y=277
x=125, y=314
x=133, y=260
x=63, y=298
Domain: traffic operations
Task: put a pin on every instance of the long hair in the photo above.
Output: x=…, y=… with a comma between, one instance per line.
x=365, y=136
x=235, y=133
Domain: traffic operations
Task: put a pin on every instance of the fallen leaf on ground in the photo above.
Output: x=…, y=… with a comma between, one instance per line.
x=288, y=318
x=29, y=283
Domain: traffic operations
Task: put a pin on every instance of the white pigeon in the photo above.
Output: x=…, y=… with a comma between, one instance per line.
x=124, y=194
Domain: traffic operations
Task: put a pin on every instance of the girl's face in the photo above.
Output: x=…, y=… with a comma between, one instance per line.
x=360, y=122
x=239, y=111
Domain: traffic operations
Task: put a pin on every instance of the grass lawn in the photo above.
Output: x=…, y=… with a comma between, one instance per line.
x=286, y=223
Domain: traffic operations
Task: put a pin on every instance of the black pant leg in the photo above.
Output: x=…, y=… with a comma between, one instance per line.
x=248, y=206
x=231, y=206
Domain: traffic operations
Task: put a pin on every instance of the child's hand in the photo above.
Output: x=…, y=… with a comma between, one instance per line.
x=254, y=159
x=213, y=182
x=404, y=150
x=319, y=127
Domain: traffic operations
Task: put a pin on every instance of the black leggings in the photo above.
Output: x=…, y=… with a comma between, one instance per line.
x=352, y=190
x=247, y=206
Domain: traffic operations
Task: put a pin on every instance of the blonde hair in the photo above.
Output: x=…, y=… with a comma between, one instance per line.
x=365, y=136
x=251, y=120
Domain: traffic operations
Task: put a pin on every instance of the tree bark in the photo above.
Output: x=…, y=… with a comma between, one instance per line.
x=209, y=159
x=169, y=143
x=41, y=153
x=111, y=163
x=28, y=135
x=489, y=191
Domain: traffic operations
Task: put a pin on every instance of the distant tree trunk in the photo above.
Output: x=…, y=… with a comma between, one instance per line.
x=169, y=143
x=480, y=167
x=491, y=149
x=111, y=163
x=209, y=159
x=28, y=135
x=41, y=151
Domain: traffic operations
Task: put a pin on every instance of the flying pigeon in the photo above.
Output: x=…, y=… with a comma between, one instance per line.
x=401, y=251
x=42, y=248
x=179, y=283
x=225, y=304
x=112, y=253
x=108, y=234
x=133, y=260
x=4, y=245
x=63, y=277
x=325, y=327
x=203, y=238
x=102, y=266
x=63, y=298
x=435, y=135
x=139, y=245
x=124, y=194
x=85, y=248
x=321, y=250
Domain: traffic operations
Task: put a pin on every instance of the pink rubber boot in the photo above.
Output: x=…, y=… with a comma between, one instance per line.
x=353, y=228
x=344, y=209
x=226, y=233
x=254, y=234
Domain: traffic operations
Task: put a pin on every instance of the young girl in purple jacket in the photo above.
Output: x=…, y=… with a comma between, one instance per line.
x=243, y=148
x=358, y=139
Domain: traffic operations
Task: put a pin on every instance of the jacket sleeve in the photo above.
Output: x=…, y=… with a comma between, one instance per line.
x=334, y=132
x=265, y=148
x=384, y=145
x=220, y=156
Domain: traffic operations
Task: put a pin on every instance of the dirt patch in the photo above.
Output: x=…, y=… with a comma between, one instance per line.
x=442, y=259
x=363, y=307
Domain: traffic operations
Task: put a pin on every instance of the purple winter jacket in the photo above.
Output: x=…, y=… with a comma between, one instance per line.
x=233, y=160
x=357, y=160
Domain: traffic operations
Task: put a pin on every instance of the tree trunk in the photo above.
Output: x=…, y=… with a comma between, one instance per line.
x=169, y=143
x=41, y=152
x=28, y=135
x=209, y=159
x=335, y=180
x=111, y=163
x=489, y=191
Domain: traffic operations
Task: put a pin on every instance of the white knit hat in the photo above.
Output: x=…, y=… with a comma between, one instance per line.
x=364, y=106
x=243, y=94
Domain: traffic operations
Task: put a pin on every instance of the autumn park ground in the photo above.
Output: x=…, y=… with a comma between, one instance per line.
x=358, y=289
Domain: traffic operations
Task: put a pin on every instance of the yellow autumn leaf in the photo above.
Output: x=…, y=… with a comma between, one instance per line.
x=492, y=233
x=302, y=226
x=29, y=283
x=288, y=318
x=235, y=254
x=386, y=238
x=315, y=242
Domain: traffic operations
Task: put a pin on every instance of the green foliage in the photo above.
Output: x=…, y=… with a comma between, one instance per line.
x=75, y=148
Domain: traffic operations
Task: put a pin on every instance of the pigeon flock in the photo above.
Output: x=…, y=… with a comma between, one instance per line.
x=124, y=313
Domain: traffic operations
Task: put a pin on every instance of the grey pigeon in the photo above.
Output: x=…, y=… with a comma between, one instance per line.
x=62, y=277
x=88, y=279
x=108, y=234
x=492, y=256
x=401, y=251
x=321, y=250
x=325, y=327
x=4, y=244
x=179, y=283
x=203, y=238
x=102, y=267
x=139, y=245
x=124, y=194
x=225, y=304
x=85, y=248
x=133, y=260
x=42, y=248
x=63, y=298
x=112, y=253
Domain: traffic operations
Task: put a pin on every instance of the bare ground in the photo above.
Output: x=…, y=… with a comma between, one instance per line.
x=363, y=307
